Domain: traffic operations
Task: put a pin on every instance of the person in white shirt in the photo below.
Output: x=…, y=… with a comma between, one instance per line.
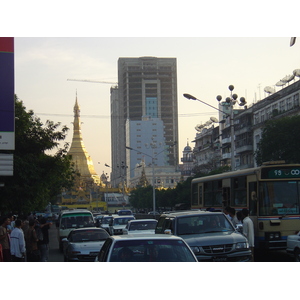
x=17, y=243
x=248, y=229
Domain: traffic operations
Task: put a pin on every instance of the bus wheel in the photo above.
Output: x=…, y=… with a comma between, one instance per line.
x=297, y=255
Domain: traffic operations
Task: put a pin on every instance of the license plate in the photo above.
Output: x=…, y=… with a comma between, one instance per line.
x=218, y=259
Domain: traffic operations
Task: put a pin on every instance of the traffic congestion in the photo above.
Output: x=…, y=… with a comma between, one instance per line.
x=214, y=244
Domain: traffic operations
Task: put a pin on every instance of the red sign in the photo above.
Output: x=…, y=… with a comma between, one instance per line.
x=6, y=44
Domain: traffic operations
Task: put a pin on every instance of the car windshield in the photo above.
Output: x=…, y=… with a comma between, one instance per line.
x=88, y=236
x=207, y=223
x=121, y=221
x=77, y=221
x=151, y=251
x=106, y=220
x=142, y=226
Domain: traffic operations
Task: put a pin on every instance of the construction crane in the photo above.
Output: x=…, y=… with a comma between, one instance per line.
x=94, y=81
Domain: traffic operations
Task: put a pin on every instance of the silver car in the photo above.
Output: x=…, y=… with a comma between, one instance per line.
x=141, y=226
x=84, y=244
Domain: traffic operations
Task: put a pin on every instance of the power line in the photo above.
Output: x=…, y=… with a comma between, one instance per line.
x=108, y=116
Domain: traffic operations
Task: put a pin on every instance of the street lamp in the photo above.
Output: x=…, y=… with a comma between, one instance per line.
x=231, y=101
x=152, y=145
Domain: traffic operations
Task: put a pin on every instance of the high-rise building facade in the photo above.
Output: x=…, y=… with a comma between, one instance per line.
x=147, y=87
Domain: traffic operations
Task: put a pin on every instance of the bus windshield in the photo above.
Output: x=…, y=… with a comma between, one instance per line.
x=279, y=198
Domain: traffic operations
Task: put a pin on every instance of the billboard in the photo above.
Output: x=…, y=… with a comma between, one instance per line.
x=7, y=105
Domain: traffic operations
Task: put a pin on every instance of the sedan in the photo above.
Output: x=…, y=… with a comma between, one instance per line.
x=84, y=244
x=145, y=248
x=141, y=226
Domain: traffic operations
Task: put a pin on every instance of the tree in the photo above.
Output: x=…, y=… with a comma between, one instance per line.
x=38, y=177
x=280, y=141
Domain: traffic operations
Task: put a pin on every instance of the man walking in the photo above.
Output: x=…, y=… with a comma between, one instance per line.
x=17, y=243
x=248, y=230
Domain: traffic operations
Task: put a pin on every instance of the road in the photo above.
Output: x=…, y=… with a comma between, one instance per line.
x=54, y=254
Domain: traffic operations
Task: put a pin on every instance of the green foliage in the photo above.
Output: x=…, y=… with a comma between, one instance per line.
x=142, y=197
x=38, y=177
x=280, y=141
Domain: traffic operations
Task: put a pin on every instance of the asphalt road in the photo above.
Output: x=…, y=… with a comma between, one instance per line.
x=56, y=256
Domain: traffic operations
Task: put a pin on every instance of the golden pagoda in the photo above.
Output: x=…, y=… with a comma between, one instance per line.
x=80, y=157
x=87, y=190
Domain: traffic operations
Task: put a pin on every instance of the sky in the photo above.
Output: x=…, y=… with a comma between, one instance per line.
x=206, y=66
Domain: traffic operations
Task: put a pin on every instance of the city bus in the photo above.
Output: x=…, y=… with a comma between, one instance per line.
x=271, y=193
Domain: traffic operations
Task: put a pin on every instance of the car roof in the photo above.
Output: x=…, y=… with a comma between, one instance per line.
x=143, y=220
x=145, y=237
x=192, y=212
x=122, y=217
x=89, y=228
x=75, y=211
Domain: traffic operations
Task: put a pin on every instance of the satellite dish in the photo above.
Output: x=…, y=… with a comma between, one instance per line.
x=288, y=78
x=269, y=90
x=280, y=83
x=208, y=123
x=297, y=72
x=214, y=120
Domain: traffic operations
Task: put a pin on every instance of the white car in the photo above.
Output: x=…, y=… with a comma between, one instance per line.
x=293, y=246
x=141, y=226
x=118, y=224
x=83, y=244
x=145, y=248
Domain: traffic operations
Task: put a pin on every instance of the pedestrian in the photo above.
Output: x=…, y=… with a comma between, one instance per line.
x=248, y=229
x=4, y=239
x=17, y=243
x=44, y=243
x=32, y=251
x=226, y=212
x=233, y=216
x=11, y=226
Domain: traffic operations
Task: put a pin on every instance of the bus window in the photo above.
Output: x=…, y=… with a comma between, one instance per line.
x=239, y=191
x=252, y=198
x=213, y=193
x=279, y=198
x=195, y=194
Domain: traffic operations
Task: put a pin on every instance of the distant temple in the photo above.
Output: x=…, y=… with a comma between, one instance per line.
x=80, y=157
x=87, y=189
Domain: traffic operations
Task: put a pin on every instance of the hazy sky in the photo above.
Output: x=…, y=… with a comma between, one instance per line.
x=205, y=68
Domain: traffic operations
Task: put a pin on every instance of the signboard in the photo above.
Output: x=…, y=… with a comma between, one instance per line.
x=280, y=172
x=7, y=105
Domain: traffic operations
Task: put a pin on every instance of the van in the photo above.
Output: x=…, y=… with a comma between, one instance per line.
x=72, y=219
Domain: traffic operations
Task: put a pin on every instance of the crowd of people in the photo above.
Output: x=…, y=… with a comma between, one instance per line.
x=24, y=239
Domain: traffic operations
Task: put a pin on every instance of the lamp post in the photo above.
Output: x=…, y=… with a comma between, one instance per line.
x=153, y=146
x=122, y=172
x=231, y=101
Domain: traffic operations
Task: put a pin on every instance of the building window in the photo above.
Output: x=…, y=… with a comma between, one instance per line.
x=296, y=100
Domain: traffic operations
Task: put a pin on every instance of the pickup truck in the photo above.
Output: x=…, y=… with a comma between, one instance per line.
x=210, y=235
x=293, y=246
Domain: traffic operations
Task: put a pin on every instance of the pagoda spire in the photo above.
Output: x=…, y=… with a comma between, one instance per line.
x=80, y=157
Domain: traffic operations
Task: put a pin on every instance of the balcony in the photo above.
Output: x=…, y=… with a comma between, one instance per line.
x=226, y=156
x=226, y=140
x=245, y=148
